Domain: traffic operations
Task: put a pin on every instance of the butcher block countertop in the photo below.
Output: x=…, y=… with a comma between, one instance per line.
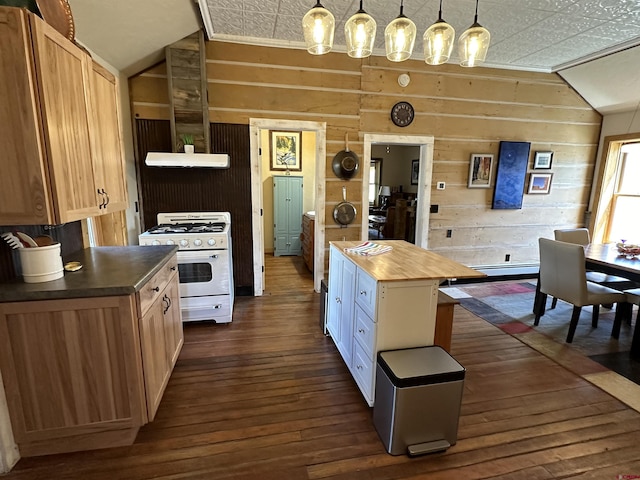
x=105, y=271
x=407, y=262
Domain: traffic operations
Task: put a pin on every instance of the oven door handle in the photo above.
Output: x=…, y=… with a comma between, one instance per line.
x=203, y=256
x=217, y=306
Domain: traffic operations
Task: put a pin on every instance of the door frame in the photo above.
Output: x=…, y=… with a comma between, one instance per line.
x=423, y=207
x=256, y=125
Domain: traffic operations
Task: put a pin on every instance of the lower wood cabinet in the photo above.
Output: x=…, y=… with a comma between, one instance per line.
x=86, y=373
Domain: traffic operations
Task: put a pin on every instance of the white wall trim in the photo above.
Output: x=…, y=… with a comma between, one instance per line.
x=320, y=129
x=423, y=207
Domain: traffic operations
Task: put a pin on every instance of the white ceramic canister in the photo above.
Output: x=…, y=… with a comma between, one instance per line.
x=41, y=264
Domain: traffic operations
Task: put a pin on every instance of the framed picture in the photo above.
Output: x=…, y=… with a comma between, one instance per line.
x=286, y=150
x=480, y=170
x=540, y=183
x=415, y=170
x=542, y=160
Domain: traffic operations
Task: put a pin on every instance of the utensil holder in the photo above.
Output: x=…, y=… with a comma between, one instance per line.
x=41, y=264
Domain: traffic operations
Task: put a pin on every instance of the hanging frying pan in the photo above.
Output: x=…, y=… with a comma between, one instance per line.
x=346, y=163
x=344, y=213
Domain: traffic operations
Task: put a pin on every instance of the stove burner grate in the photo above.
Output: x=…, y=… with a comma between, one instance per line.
x=188, y=228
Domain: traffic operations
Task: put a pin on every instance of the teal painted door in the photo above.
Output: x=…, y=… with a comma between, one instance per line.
x=287, y=215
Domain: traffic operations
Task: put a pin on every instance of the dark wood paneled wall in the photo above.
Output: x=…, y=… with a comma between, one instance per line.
x=69, y=235
x=165, y=189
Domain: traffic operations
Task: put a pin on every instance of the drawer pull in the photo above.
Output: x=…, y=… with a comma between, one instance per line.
x=156, y=289
x=359, y=367
x=363, y=292
x=338, y=300
x=217, y=306
x=360, y=330
x=173, y=269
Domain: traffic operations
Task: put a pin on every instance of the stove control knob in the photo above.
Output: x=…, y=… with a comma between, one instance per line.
x=170, y=242
x=197, y=242
x=211, y=241
x=155, y=242
x=184, y=243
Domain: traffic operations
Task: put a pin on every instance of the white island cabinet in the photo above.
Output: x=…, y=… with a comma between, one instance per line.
x=384, y=302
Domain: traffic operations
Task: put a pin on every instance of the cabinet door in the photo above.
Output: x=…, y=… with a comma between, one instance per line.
x=341, y=303
x=287, y=215
x=155, y=357
x=24, y=188
x=174, y=336
x=347, y=307
x=336, y=261
x=63, y=82
x=106, y=144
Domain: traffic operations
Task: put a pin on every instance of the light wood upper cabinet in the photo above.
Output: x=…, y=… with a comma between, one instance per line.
x=51, y=167
x=108, y=158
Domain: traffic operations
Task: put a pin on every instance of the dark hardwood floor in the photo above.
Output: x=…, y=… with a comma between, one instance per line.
x=268, y=397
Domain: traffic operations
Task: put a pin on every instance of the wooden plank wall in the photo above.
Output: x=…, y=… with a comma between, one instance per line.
x=466, y=110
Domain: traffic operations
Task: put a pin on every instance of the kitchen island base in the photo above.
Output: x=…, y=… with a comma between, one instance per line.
x=384, y=302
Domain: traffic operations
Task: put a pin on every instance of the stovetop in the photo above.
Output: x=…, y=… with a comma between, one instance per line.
x=187, y=228
x=190, y=231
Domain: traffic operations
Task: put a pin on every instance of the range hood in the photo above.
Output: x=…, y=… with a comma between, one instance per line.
x=203, y=160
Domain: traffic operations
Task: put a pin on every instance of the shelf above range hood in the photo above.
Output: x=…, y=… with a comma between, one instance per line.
x=188, y=160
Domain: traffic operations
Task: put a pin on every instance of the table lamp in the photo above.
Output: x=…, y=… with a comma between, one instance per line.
x=384, y=193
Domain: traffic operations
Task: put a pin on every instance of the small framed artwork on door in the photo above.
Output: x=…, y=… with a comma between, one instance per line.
x=540, y=183
x=480, y=169
x=542, y=160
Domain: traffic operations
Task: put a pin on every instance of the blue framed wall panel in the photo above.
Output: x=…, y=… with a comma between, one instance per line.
x=510, y=176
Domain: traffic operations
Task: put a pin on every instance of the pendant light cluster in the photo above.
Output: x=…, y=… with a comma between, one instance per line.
x=399, y=37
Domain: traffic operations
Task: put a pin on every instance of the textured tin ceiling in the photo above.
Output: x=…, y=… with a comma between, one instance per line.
x=540, y=35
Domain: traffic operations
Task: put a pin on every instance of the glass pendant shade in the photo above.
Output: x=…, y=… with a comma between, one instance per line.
x=318, y=26
x=473, y=45
x=360, y=33
x=438, y=42
x=399, y=38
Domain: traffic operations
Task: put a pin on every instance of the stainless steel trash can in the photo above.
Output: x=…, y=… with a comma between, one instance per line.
x=418, y=398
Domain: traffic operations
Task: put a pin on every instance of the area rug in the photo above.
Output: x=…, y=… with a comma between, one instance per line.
x=509, y=305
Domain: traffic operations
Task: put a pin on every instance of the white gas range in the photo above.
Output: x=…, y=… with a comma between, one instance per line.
x=205, y=266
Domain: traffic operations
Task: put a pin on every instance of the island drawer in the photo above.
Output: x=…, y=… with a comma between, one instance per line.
x=366, y=292
x=154, y=287
x=363, y=370
x=365, y=331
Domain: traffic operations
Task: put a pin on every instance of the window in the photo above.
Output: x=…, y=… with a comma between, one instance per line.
x=625, y=203
x=374, y=180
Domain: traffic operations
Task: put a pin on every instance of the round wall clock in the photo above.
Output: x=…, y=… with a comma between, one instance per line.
x=402, y=114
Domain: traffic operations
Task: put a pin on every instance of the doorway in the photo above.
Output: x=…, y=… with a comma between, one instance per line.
x=260, y=154
x=423, y=190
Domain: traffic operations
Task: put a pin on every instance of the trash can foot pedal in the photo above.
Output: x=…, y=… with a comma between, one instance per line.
x=428, y=447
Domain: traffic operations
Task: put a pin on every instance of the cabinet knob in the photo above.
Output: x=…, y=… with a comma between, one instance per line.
x=360, y=330
x=338, y=300
x=359, y=367
x=217, y=306
x=156, y=289
x=363, y=292
x=173, y=269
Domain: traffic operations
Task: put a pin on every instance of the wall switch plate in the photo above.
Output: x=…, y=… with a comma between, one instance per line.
x=440, y=185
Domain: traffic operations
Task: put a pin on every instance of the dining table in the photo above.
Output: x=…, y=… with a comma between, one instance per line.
x=607, y=259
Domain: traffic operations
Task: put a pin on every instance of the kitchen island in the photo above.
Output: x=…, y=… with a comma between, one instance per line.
x=85, y=359
x=384, y=302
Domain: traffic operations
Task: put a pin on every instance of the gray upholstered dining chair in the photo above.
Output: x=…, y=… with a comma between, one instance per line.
x=580, y=236
x=563, y=275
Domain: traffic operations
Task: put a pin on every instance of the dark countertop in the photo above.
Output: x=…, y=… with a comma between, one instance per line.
x=105, y=271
